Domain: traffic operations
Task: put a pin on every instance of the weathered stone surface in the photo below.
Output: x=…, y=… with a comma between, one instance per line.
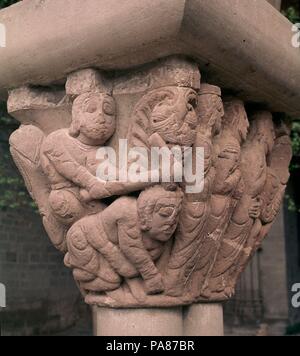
x=49, y=39
x=154, y=244
x=203, y=320
x=161, y=322
x=276, y=3
x=46, y=109
x=87, y=80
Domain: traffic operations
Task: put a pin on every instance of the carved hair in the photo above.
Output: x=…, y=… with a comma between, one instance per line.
x=147, y=203
x=140, y=129
x=261, y=125
x=79, y=108
x=282, y=128
x=235, y=114
x=207, y=104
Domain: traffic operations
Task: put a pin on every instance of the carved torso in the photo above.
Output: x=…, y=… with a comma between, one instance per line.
x=61, y=149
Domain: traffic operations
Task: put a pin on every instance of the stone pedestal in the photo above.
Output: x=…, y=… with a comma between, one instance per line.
x=203, y=320
x=138, y=322
x=196, y=320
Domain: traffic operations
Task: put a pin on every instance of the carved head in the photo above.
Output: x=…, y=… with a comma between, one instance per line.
x=94, y=118
x=210, y=108
x=170, y=112
x=158, y=211
x=263, y=130
x=283, y=127
x=236, y=119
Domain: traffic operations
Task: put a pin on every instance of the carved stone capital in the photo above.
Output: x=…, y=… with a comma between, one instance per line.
x=150, y=243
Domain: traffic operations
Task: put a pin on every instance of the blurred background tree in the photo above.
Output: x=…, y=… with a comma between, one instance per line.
x=13, y=193
x=5, y=3
x=291, y=9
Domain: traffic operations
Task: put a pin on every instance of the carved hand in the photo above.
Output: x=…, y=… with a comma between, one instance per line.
x=96, y=191
x=255, y=209
x=154, y=285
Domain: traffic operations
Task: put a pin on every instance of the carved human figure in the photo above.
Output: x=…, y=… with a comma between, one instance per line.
x=69, y=156
x=278, y=173
x=196, y=207
x=271, y=196
x=227, y=190
x=168, y=112
x=124, y=241
x=25, y=145
x=245, y=223
x=164, y=117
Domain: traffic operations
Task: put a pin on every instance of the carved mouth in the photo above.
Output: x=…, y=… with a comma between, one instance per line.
x=168, y=229
x=100, y=132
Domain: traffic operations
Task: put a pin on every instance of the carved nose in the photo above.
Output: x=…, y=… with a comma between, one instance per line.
x=101, y=119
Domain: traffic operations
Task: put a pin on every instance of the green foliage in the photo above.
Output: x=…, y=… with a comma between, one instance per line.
x=296, y=138
x=295, y=135
x=293, y=329
x=13, y=193
x=292, y=14
x=5, y=3
x=291, y=204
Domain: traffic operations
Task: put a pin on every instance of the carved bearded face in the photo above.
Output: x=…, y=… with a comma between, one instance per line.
x=174, y=117
x=94, y=116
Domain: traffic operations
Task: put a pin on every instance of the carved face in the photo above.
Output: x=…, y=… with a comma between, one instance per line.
x=211, y=111
x=174, y=118
x=244, y=126
x=270, y=136
x=219, y=110
x=164, y=219
x=236, y=119
x=96, y=118
x=158, y=212
x=263, y=128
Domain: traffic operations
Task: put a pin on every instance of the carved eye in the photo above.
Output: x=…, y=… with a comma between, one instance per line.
x=158, y=119
x=92, y=107
x=220, y=106
x=190, y=107
x=166, y=212
x=192, y=121
x=108, y=108
x=192, y=103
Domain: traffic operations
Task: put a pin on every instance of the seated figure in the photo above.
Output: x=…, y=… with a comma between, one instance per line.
x=68, y=157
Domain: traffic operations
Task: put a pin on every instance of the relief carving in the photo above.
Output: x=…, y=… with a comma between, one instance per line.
x=150, y=243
